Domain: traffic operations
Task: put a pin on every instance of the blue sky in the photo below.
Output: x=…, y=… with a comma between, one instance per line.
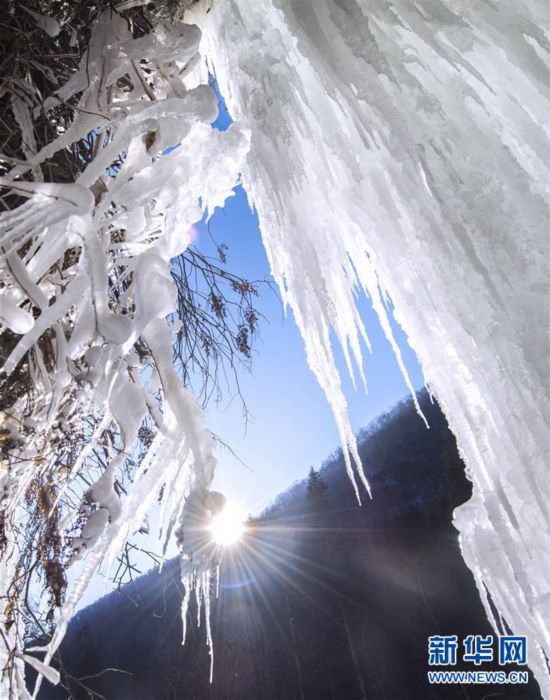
x=291, y=426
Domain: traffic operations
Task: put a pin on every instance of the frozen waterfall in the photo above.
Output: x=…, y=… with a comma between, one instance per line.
x=401, y=147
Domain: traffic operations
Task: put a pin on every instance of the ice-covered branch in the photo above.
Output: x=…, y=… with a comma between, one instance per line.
x=86, y=291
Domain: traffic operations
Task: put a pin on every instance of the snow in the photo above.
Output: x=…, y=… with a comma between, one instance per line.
x=401, y=148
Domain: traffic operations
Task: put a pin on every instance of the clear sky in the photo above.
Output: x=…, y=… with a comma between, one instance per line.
x=291, y=426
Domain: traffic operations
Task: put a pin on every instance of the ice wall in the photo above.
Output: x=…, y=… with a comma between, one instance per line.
x=401, y=147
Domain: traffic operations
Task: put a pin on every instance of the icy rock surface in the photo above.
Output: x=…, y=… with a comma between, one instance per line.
x=91, y=260
x=401, y=147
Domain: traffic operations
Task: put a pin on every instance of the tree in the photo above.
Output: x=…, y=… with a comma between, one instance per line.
x=316, y=486
x=112, y=326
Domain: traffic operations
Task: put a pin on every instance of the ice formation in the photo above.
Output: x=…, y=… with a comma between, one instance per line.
x=398, y=148
x=89, y=264
x=401, y=148
x=199, y=557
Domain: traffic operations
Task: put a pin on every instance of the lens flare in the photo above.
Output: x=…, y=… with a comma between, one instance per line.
x=227, y=527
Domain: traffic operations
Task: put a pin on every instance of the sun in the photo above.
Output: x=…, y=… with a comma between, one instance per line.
x=228, y=527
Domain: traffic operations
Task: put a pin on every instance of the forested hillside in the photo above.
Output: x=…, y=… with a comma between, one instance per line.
x=322, y=599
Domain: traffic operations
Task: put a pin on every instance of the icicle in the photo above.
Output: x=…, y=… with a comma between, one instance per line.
x=187, y=588
x=402, y=148
x=96, y=265
x=47, y=671
x=47, y=24
x=209, y=642
x=198, y=578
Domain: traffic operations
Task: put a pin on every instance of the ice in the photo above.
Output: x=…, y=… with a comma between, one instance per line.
x=16, y=319
x=47, y=671
x=47, y=24
x=92, y=261
x=128, y=408
x=397, y=149
x=401, y=148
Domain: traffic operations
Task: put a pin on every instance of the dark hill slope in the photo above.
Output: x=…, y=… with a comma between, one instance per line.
x=323, y=599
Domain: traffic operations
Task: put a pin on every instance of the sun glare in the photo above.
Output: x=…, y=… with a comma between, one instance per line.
x=227, y=527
